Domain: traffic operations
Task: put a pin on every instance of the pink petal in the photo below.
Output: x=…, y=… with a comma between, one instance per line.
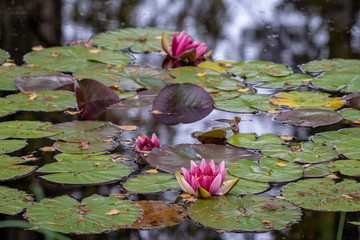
x=194, y=183
x=186, y=174
x=182, y=46
x=155, y=141
x=200, y=50
x=203, y=165
x=206, y=182
x=215, y=185
x=227, y=188
x=212, y=165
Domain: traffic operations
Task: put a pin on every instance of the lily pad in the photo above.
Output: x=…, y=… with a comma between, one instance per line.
x=346, y=167
x=173, y=158
x=302, y=152
x=94, y=214
x=338, y=64
x=212, y=83
x=309, y=117
x=335, y=81
x=84, y=147
x=245, y=186
x=129, y=78
x=351, y=114
x=182, y=103
x=247, y=69
x=24, y=129
x=7, y=107
x=246, y=103
x=249, y=213
x=332, y=137
x=137, y=39
x=9, y=73
x=9, y=168
x=297, y=99
x=151, y=183
x=99, y=156
x=248, y=140
x=84, y=172
x=171, y=215
x=8, y=146
x=349, y=148
x=269, y=170
x=45, y=82
x=317, y=170
x=225, y=95
x=47, y=101
x=13, y=201
x=72, y=59
x=78, y=131
x=323, y=194
x=191, y=70
x=290, y=81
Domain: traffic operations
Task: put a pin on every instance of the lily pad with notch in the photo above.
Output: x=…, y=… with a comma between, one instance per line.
x=137, y=39
x=24, y=129
x=84, y=147
x=247, y=69
x=173, y=158
x=289, y=81
x=182, y=103
x=268, y=170
x=13, y=201
x=351, y=114
x=249, y=140
x=72, y=59
x=336, y=80
x=324, y=195
x=10, y=167
x=346, y=167
x=151, y=183
x=11, y=145
x=95, y=214
x=338, y=64
x=84, y=172
x=317, y=170
x=249, y=213
x=245, y=186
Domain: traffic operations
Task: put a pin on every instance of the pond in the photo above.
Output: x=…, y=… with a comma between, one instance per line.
x=300, y=148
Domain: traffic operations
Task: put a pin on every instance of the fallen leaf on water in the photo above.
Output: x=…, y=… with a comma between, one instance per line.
x=32, y=96
x=286, y=138
x=37, y=48
x=152, y=171
x=200, y=74
x=332, y=176
x=55, y=54
x=346, y=196
x=242, y=90
x=72, y=112
x=273, y=111
x=280, y=164
x=127, y=128
x=112, y=212
x=47, y=149
x=85, y=145
x=94, y=51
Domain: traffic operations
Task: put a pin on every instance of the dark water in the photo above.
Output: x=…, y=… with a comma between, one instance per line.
x=289, y=32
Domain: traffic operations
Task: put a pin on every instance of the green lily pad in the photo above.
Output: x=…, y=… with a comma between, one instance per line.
x=349, y=148
x=355, y=223
x=246, y=104
x=346, y=167
x=84, y=172
x=341, y=65
x=84, y=147
x=72, y=59
x=335, y=80
x=47, y=101
x=191, y=70
x=10, y=170
x=217, y=66
x=332, y=137
x=309, y=117
x=3, y=55
x=249, y=213
x=99, y=156
x=211, y=83
x=323, y=194
x=269, y=170
x=245, y=186
x=290, y=81
x=8, y=146
x=129, y=78
x=247, y=69
x=78, y=131
x=13, y=201
x=248, y=140
x=7, y=107
x=94, y=214
x=317, y=170
x=224, y=95
x=8, y=74
x=24, y=129
x=351, y=114
x=297, y=99
x=151, y=183
x=303, y=152
x=137, y=39
x=173, y=158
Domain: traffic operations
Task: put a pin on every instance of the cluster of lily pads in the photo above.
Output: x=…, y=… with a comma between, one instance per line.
x=99, y=85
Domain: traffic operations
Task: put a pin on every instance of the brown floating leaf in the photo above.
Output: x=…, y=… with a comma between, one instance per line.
x=280, y=164
x=32, y=96
x=85, y=145
x=113, y=211
x=47, y=149
x=128, y=128
x=234, y=124
x=152, y=171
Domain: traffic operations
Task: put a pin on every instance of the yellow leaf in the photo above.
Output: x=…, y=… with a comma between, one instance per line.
x=332, y=176
x=72, y=112
x=213, y=66
x=32, y=96
x=127, y=128
x=112, y=212
x=286, y=138
x=273, y=111
x=242, y=90
x=156, y=112
x=280, y=197
x=346, y=196
x=158, y=37
x=47, y=149
x=152, y=171
x=280, y=164
x=55, y=54
x=94, y=51
x=37, y=48
x=200, y=74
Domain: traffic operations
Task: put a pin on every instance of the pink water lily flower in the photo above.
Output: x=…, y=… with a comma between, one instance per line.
x=145, y=144
x=183, y=47
x=205, y=180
